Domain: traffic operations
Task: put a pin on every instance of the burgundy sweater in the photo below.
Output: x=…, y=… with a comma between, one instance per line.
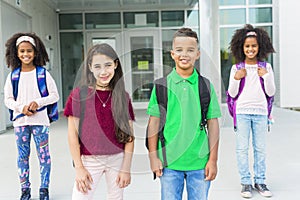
x=98, y=128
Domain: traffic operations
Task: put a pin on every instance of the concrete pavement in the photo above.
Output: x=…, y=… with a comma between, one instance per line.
x=283, y=163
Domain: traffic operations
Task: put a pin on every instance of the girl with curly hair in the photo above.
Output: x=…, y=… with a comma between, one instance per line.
x=26, y=53
x=250, y=46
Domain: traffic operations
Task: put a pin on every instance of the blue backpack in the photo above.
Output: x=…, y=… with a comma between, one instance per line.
x=52, y=109
x=231, y=101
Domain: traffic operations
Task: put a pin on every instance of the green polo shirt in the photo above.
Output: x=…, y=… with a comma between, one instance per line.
x=186, y=145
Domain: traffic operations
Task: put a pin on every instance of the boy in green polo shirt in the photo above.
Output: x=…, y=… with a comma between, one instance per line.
x=191, y=152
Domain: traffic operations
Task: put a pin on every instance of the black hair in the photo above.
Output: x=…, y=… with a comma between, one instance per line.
x=11, y=55
x=239, y=37
x=120, y=98
x=185, y=32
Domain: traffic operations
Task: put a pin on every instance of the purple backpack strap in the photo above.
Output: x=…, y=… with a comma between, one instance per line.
x=262, y=64
x=270, y=100
x=239, y=66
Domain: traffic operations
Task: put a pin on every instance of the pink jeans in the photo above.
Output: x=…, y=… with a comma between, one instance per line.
x=97, y=166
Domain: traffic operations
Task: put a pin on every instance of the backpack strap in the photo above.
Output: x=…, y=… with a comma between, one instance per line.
x=204, y=96
x=42, y=84
x=83, y=91
x=270, y=99
x=15, y=77
x=239, y=66
x=162, y=99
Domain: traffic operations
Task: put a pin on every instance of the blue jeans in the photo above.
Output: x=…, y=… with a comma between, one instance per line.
x=172, y=184
x=23, y=138
x=257, y=127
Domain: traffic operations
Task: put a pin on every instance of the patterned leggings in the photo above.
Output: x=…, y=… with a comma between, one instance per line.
x=23, y=138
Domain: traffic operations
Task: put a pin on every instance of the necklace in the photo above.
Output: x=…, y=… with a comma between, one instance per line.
x=102, y=86
x=105, y=102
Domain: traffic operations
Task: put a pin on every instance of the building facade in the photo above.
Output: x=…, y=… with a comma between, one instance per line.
x=141, y=32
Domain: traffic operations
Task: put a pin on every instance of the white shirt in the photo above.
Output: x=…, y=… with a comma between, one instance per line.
x=28, y=91
x=252, y=100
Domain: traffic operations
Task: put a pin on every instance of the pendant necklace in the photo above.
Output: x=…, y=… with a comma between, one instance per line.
x=105, y=102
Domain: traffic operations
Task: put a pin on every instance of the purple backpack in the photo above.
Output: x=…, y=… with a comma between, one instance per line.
x=231, y=101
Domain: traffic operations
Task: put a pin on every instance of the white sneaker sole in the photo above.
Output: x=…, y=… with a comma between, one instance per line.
x=246, y=195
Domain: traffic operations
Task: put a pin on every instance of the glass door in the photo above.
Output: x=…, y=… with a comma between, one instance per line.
x=111, y=38
x=143, y=63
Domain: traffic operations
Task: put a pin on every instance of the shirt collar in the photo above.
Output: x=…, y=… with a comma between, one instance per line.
x=177, y=78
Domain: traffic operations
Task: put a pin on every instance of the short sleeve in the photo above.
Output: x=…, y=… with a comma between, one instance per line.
x=72, y=107
x=153, y=107
x=214, y=110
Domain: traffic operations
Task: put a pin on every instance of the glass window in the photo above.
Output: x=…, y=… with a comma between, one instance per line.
x=260, y=15
x=168, y=62
x=102, y=20
x=140, y=19
x=231, y=2
x=232, y=16
x=192, y=18
x=226, y=58
x=142, y=59
x=269, y=29
x=254, y=2
x=70, y=21
x=71, y=48
x=172, y=18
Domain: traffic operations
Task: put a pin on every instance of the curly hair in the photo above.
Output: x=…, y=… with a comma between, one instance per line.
x=239, y=37
x=11, y=55
x=120, y=98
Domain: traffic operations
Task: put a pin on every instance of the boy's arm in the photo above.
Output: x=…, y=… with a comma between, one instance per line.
x=213, y=137
x=155, y=162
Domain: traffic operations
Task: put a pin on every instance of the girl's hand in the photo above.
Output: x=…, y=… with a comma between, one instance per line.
x=26, y=111
x=241, y=73
x=33, y=106
x=83, y=180
x=123, y=179
x=261, y=71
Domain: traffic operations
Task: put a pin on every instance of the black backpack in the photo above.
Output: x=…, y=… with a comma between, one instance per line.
x=162, y=99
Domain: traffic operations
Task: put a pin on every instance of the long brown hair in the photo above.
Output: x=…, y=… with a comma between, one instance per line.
x=120, y=98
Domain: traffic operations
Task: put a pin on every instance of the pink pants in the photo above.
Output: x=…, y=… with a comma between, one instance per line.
x=97, y=166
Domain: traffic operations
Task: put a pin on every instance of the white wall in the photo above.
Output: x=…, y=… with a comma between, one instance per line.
x=43, y=23
x=289, y=44
x=210, y=43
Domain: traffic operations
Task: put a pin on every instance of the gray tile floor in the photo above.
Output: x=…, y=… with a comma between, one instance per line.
x=283, y=163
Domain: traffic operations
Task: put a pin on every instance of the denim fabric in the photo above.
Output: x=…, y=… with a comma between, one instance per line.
x=256, y=126
x=23, y=138
x=172, y=184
